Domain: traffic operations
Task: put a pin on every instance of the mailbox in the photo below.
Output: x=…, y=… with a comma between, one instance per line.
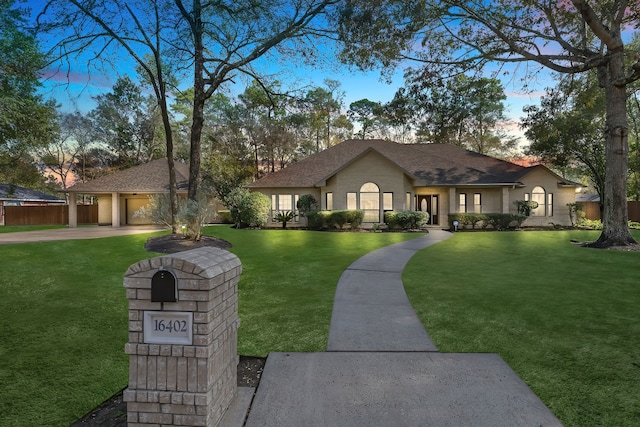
x=164, y=287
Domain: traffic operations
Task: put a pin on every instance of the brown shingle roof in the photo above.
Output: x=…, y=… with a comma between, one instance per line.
x=152, y=177
x=429, y=164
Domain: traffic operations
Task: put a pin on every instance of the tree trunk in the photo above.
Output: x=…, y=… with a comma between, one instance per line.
x=615, y=229
x=199, y=98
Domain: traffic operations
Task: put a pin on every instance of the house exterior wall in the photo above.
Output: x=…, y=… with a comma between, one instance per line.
x=104, y=209
x=561, y=197
x=285, y=192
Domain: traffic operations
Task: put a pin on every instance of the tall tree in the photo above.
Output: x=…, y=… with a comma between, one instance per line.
x=567, y=37
x=567, y=128
x=27, y=122
x=368, y=114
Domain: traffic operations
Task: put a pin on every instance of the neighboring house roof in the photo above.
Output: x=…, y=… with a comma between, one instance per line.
x=583, y=197
x=10, y=192
x=152, y=177
x=427, y=164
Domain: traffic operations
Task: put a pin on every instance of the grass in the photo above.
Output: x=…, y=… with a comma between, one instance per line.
x=17, y=228
x=64, y=311
x=565, y=318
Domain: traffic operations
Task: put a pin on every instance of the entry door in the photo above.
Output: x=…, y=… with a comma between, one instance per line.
x=429, y=204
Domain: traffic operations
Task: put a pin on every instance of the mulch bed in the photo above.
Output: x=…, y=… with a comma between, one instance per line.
x=113, y=412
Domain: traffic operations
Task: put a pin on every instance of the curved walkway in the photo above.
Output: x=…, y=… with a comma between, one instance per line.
x=371, y=311
x=382, y=369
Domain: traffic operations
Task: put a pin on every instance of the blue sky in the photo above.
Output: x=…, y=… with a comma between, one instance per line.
x=75, y=89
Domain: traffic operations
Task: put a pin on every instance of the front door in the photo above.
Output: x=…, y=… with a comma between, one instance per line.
x=428, y=204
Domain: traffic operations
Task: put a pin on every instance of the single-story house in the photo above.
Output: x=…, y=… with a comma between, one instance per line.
x=378, y=176
x=123, y=193
x=14, y=195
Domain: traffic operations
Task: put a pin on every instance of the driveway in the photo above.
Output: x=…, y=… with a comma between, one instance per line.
x=91, y=232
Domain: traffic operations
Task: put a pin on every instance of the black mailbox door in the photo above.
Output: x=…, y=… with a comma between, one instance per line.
x=164, y=287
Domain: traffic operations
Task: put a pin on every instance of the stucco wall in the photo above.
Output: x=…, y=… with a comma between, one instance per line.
x=561, y=197
x=371, y=167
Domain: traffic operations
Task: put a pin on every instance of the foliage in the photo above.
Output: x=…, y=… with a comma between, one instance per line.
x=191, y=217
x=576, y=212
x=157, y=211
x=567, y=129
x=195, y=214
x=224, y=217
x=27, y=121
x=284, y=217
x=234, y=199
x=306, y=204
x=497, y=221
x=253, y=210
x=318, y=220
x=405, y=220
x=525, y=206
x=368, y=114
x=463, y=111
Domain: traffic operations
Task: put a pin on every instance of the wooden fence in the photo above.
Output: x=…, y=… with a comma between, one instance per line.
x=48, y=215
x=592, y=210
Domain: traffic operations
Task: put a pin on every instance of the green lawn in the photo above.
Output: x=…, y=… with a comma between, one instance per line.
x=565, y=318
x=64, y=311
x=16, y=228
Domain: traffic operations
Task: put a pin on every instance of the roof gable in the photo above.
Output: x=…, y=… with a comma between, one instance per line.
x=152, y=177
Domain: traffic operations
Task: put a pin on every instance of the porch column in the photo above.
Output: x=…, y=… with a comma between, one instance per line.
x=453, y=203
x=73, y=211
x=505, y=200
x=115, y=210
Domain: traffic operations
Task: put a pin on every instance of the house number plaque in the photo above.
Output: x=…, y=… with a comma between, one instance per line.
x=168, y=327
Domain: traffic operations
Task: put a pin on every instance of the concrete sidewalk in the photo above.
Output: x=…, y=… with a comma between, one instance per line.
x=382, y=369
x=88, y=232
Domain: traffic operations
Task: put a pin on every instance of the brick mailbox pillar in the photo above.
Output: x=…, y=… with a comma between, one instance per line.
x=183, y=323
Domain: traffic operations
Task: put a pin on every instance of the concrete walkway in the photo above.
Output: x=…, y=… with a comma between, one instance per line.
x=382, y=369
x=88, y=232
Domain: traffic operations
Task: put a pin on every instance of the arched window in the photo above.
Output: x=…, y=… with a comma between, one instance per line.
x=370, y=202
x=538, y=195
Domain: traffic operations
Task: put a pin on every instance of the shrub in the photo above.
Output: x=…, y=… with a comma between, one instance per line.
x=253, y=210
x=405, y=220
x=283, y=217
x=224, y=217
x=355, y=218
x=317, y=220
x=526, y=206
x=497, y=221
x=306, y=204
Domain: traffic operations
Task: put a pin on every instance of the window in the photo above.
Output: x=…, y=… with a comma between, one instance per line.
x=462, y=203
x=387, y=201
x=329, y=201
x=477, y=203
x=550, y=204
x=538, y=195
x=407, y=202
x=370, y=202
x=352, y=201
x=283, y=203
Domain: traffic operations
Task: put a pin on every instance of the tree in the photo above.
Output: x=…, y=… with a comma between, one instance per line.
x=567, y=128
x=27, y=122
x=124, y=121
x=572, y=37
x=367, y=114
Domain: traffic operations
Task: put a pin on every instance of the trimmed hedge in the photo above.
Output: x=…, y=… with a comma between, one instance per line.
x=317, y=220
x=497, y=221
x=405, y=220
